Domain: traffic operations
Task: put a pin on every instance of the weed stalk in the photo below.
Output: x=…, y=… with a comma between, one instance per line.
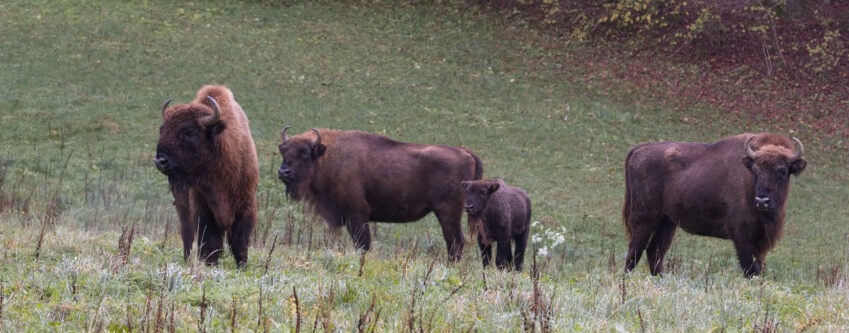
x=202, y=307
x=297, y=310
x=362, y=263
x=268, y=258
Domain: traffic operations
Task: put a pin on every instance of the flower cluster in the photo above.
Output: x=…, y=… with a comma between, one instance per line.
x=547, y=239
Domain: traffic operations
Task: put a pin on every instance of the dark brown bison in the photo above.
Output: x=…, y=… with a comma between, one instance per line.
x=206, y=150
x=350, y=178
x=499, y=213
x=735, y=188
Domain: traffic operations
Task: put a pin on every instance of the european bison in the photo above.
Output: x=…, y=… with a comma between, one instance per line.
x=350, y=178
x=735, y=188
x=500, y=213
x=206, y=150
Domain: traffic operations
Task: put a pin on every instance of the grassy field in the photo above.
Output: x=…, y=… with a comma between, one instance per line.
x=89, y=236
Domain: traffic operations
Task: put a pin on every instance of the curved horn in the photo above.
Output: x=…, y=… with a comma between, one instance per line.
x=798, y=154
x=317, y=140
x=165, y=106
x=283, y=135
x=216, y=113
x=749, y=152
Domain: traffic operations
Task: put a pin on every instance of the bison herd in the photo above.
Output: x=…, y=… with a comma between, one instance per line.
x=734, y=188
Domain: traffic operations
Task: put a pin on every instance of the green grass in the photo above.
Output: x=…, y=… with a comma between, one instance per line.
x=82, y=84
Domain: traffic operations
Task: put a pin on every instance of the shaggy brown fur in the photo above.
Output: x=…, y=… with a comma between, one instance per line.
x=350, y=178
x=714, y=189
x=500, y=213
x=213, y=172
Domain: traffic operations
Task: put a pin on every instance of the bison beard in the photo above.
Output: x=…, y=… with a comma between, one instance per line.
x=350, y=178
x=206, y=151
x=735, y=188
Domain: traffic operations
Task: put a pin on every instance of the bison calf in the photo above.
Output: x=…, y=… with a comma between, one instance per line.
x=499, y=213
x=206, y=150
x=734, y=188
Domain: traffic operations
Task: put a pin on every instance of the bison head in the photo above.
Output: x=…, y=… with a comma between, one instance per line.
x=477, y=194
x=187, y=138
x=772, y=166
x=299, y=154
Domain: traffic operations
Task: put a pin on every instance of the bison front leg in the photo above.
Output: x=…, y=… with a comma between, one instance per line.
x=188, y=223
x=749, y=261
x=211, y=242
x=360, y=234
x=486, y=252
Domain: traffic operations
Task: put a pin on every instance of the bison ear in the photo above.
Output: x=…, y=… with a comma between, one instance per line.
x=318, y=150
x=494, y=187
x=797, y=167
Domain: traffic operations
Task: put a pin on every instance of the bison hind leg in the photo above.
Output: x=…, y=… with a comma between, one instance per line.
x=641, y=232
x=503, y=254
x=659, y=245
x=521, y=243
x=450, y=219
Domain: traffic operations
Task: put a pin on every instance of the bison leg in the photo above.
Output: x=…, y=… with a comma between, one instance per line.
x=452, y=230
x=240, y=236
x=188, y=225
x=746, y=254
x=503, y=253
x=360, y=234
x=659, y=245
x=211, y=242
x=521, y=242
x=637, y=242
x=486, y=252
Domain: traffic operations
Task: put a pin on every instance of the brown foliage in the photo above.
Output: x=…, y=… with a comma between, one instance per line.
x=785, y=60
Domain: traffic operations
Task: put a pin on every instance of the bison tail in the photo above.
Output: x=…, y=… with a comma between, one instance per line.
x=478, y=166
x=626, y=206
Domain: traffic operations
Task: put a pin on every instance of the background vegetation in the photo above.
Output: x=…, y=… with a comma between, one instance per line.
x=88, y=230
x=750, y=53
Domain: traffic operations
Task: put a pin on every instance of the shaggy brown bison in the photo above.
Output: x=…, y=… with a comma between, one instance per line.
x=735, y=188
x=206, y=150
x=499, y=213
x=350, y=178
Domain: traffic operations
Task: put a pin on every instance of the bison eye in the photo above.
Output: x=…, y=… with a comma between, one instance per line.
x=189, y=135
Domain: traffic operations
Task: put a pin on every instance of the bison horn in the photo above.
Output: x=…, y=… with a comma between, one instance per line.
x=317, y=140
x=216, y=113
x=165, y=106
x=798, y=154
x=749, y=152
x=283, y=135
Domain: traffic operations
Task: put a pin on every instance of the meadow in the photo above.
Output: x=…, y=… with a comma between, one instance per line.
x=89, y=235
